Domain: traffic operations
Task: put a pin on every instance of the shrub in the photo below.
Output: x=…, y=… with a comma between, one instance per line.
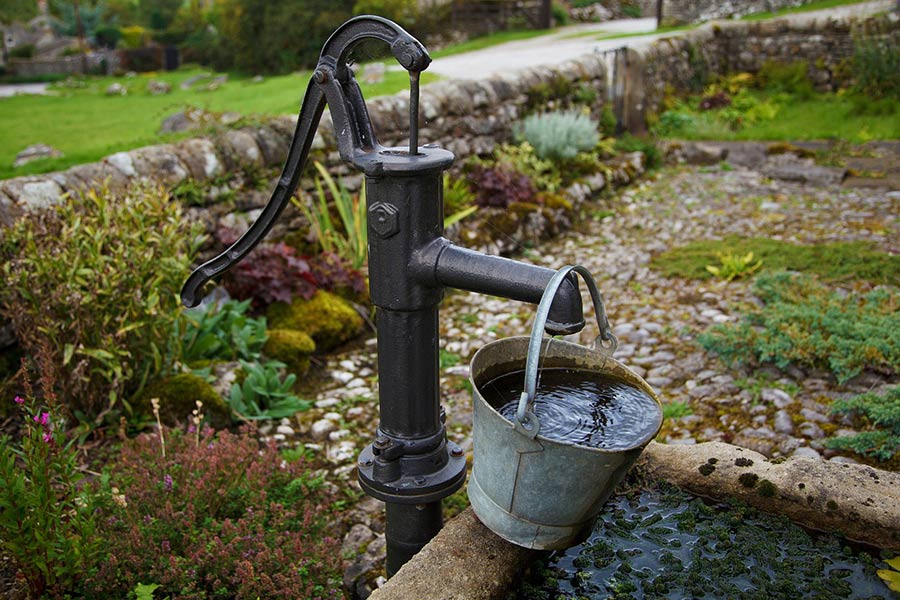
x=335, y=274
x=215, y=516
x=560, y=14
x=804, y=323
x=876, y=67
x=272, y=272
x=92, y=287
x=47, y=523
x=499, y=185
x=673, y=122
x=25, y=51
x=879, y=412
x=792, y=78
x=559, y=135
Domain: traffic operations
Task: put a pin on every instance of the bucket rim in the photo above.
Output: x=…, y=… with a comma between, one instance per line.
x=557, y=343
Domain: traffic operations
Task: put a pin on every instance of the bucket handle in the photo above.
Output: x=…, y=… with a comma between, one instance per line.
x=527, y=422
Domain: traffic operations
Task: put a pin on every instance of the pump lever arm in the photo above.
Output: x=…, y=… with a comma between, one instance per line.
x=333, y=80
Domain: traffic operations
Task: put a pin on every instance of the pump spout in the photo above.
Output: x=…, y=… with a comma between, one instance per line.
x=443, y=264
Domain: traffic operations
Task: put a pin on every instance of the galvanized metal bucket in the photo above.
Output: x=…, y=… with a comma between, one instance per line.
x=530, y=490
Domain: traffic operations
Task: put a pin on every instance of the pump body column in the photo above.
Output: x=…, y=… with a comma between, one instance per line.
x=410, y=465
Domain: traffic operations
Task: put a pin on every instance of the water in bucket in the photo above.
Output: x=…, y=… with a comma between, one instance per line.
x=580, y=407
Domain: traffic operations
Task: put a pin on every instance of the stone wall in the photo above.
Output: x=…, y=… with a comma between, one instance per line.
x=698, y=11
x=687, y=61
x=97, y=62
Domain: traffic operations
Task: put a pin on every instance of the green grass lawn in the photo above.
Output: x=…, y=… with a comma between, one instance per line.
x=87, y=125
x=825, y=116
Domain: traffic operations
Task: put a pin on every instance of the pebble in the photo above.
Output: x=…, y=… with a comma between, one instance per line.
x=321, y=429
x=778, y=398
x=285, y=430
x=806, y=452
x=327, y=403
x=784, y=423
x=342, y=376
x=811, y=430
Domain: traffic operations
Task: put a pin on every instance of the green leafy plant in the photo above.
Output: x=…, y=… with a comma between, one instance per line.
x=803, y=322
x=91, y=287
x=523, y=158
x=676, y=410
x=221, y=332
x=47, y=522
x=629, y=143
x=348, y=241
x=561, y=135
x=457, y=195
x=879, y=412
x=263, y=394
x=734, y=266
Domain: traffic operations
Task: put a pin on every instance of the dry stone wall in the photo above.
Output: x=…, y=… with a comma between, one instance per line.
x=686, y=61
x=697, y=11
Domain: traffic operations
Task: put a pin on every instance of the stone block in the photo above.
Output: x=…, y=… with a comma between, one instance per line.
x=160, y=163
x=200, y=157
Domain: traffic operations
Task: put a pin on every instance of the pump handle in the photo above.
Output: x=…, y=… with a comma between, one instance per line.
x=332, y=81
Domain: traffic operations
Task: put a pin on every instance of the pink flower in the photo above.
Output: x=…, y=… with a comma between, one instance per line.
x=47, y=437
x=43, y=418
x=19, y=400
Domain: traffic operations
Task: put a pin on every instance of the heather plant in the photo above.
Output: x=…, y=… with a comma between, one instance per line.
x=559, y=136
x=216, y=516
x=47, y=521
x=803, y=322
x=91, y=287
x=220, y=332
x=880, y=415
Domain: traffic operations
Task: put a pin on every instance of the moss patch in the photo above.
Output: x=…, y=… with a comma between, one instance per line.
x=832, y=262
x=291, y=347
x=328, y=319
x=178, y=396
x=748, y=480
x=766, y=489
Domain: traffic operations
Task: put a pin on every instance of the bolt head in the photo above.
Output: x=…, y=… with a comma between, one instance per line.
x=384, y=220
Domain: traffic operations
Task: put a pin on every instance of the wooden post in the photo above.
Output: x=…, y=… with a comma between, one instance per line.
x=80, y=27
x=659, y=13
x=546, y=16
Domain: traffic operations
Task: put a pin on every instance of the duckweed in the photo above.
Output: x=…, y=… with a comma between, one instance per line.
x=664, y=543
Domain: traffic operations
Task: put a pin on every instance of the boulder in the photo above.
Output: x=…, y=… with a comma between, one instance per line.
x=116, y=89
x=36, y=152
x=858, y=501
x=158, y=88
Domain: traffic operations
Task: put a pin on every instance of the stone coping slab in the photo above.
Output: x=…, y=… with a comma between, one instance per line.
x=466, y=561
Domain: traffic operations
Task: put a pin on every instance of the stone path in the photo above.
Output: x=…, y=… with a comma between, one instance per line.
x=655, y=318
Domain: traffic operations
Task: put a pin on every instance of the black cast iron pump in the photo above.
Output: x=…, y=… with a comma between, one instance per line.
x=410, y=465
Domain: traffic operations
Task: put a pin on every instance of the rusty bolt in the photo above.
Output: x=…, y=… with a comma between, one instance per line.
x=456, y=451
x=383, y=219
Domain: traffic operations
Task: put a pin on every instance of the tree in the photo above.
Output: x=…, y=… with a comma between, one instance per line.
x=17, y=10
x=260, y=36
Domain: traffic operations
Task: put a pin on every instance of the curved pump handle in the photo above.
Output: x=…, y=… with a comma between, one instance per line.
x=333, y=82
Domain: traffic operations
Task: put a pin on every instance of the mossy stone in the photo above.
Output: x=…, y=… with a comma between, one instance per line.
x=328, y=319
x=291, y=347
x=178, y=396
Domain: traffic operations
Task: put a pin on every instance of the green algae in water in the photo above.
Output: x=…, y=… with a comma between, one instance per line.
x=666, y=544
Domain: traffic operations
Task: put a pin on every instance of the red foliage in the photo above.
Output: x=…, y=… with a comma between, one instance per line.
x=499, y=186
x=335, y=273
x=217, y=518
x=271, y=272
